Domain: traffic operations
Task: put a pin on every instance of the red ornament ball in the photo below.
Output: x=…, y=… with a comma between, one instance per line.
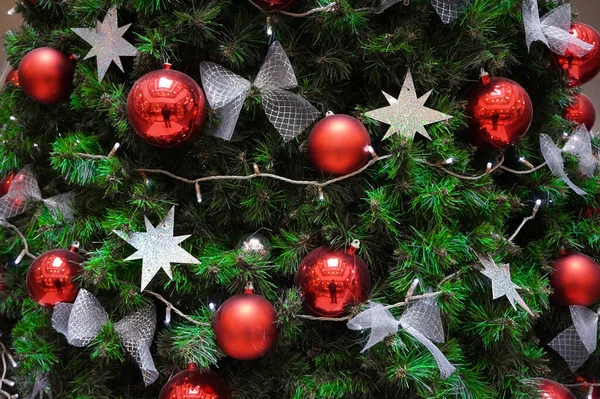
x=166, y=107
x=576, y=280
x=46, y=75
x=581, y=70
x=50, y=278
x=5, y=183
x=194, y=384
x=244, y=326
x=581, y=111
x=339, y=144
x=548, y=389
x=273, y=4
x=12, y=78
x=330, y=280
x=500, y=112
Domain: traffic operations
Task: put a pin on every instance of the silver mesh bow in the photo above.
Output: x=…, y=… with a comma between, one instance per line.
x=580, y=145
x=448, y=10
x=421, y=319
x=24, y=190
x=81, y=321
x=552, y=29
x=41, y=387
x=553, y=156
x=578, y=342
x=226, y=93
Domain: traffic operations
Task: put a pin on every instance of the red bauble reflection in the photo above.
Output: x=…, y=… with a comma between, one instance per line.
x=194, y=384
x=581, y=69
x=273, y=4
x=244, y=326
x=166, y=107
x=46, y=75
x=576, y=280
x=339, y=144
x=581, y=111
x=548, y=389
x=50, y=277
x=330, y=280
x=500, y=112
x=5, y=183
x=12, y=78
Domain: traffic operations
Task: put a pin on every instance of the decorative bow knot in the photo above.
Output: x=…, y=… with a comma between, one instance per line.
x=25, y=190
x=226, y=93
x=448, y=10
x=578, y=342
x=552, y=29
x=80, y=323
x=580, y=145
x=421, y=319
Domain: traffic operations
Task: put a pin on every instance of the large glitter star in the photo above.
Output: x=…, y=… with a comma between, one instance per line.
x=407, y=115
x=157, y=248
x=107, y=43
x=502, y=284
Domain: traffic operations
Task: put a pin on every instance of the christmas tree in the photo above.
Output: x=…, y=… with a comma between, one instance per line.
x=298, y=199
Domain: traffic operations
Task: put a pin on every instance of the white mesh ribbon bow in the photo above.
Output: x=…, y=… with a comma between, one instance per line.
x=226, y=93
x=552, y=29
x=80, y=323
x=24, y=190
x=448, y=10
x=421, y=319
x=578, y=342
x=580, y=145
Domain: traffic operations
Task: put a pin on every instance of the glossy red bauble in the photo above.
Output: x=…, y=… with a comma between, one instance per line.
x=339, y=144
x=46, y=75
x=581, y=111
x=195, y=384
x=50, y=278
x=548, y=389
x=273, y=4
x=12, y=78
x=244, y=326
x=166, y=107
x=5, y=183
x=576, y=280
x=581, y=69
x=330, y=280
x=500, y=112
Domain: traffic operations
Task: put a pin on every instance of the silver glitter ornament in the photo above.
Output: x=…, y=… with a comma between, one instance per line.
x=255, y=245
x=107, y=42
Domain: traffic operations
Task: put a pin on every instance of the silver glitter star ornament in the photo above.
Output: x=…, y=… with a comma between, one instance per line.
x=407, y=115
x=502, y=285
x=107, y=42
x=157, y=248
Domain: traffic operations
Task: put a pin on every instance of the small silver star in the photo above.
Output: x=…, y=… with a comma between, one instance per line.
x=107, y=43
x=157, y=248
x=407, y=115
x=502, y=285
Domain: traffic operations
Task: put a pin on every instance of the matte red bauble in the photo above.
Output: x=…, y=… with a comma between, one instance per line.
x=581, y=69
x=581, y=111
x=330, y=280
x=273, y=4
x=50, y=278
x=195, y=384
x=500, y=112
x=46, y=75
x=5, y=183
x=166, y=107
x=548, y=389
x=244, y=326
x=576, y=280
x=339, y=144
x=12, y=78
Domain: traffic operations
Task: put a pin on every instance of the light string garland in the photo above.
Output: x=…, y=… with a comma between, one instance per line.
x=7, y=362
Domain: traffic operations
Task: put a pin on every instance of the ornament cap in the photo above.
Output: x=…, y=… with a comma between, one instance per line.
x=74, y=246
x=329, y=113
x=484, y=76
x=354, y=246
x=249, y=288
x=192, y=366
x=167, y=65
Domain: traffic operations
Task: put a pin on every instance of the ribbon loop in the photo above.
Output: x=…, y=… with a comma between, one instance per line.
x=553, y=156
x=81, y=322
x=580, y=145
x=380, y=320
x=226, y=92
